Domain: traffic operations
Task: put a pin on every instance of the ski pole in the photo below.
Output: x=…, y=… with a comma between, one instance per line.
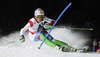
x=71, y=28
x=81, y=28
x=8, y=43
x=55, y=23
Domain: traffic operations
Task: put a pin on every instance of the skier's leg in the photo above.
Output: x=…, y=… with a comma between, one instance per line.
x=49, y=36
x=48, y=42
x=64, y=46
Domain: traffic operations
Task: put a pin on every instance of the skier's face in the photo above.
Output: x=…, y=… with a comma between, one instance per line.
x=40, y=18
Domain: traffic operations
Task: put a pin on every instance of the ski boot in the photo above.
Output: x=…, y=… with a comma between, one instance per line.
x=56, y=47
x=71, y=49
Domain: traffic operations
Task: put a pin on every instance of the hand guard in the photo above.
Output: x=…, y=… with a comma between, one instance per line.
x=47, y=26
x=22, y=39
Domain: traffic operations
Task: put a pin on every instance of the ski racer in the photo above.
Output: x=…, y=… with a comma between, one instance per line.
x=37, y=27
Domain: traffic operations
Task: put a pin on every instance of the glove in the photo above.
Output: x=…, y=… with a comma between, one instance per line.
x=22, y=39
x=47, y=26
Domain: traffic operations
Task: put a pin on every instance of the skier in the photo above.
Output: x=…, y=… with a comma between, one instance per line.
x=37, y=27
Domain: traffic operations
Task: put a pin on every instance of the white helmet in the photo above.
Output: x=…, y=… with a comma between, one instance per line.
x=39, y=13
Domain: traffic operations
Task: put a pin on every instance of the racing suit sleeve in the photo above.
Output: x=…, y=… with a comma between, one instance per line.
x=22, y=31
x=50, y=21
x=29, y=24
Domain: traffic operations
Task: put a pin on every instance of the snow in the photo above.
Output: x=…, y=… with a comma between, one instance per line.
x=29, y=48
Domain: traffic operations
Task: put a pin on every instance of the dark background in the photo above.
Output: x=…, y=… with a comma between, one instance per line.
x=14, y=14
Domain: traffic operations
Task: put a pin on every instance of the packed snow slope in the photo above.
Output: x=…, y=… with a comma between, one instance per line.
x=29, y=48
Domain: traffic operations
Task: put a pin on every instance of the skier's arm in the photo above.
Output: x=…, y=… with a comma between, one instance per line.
x=29, y=24
x=22, y=31
x=49, y=23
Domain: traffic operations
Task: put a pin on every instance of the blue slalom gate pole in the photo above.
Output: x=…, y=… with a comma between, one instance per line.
x=55, y=23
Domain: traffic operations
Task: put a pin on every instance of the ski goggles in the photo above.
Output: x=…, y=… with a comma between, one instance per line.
x=40, y=16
